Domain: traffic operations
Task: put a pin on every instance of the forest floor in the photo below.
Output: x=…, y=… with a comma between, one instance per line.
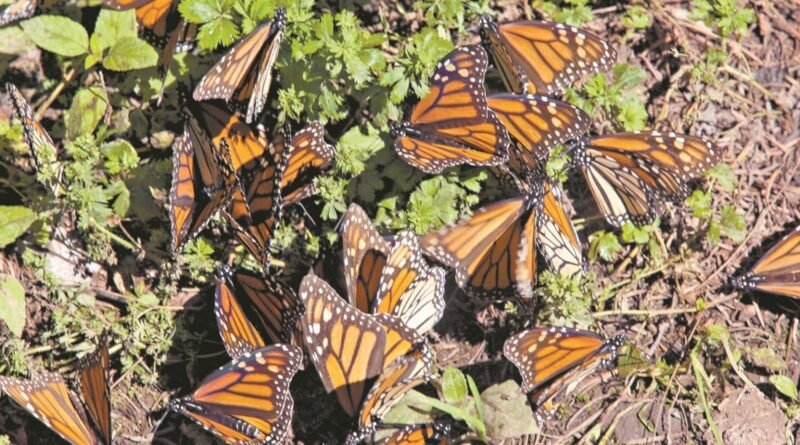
x=706, y=352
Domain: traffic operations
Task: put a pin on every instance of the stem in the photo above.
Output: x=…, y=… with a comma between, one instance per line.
x=68, y=76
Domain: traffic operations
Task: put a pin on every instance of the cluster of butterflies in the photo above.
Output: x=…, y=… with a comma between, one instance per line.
x=371, y=348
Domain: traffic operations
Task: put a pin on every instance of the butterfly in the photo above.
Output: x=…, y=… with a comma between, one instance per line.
x=393, y=280
x=49, y=400
x=492, y=251
x=778, y=271
x=39, y=142
x=543, y=57
x=536, y=124
x=243, y=75
x=452, y=125
x=309, y=155
x=631, y=174
x=246, y=401
x=253, y=310
x=552, y=359
x=20, y=9
x=256, y=208
x=349, y=347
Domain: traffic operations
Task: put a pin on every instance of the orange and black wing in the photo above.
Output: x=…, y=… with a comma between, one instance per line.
x=491, y=250
x=406, y=372
x=157, y=17
x=666, y=161
x=35, y=135
x=345, y=345
x=537, y=124
x=452, y=124
x=557, y=240
x=544, y=57
x=20, y=9
x=543, y=354
x=364, y=254
x=308, y=156
x=48, y=399
x=409, y=289
x=93, y=372
x=253, y=310
x=256, y=211
x=778, y=271
x=247, y=401
x=243, y=76
x=622, y=189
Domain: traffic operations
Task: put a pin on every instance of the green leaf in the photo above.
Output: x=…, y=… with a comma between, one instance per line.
x=14, y=41
x=733, y=225
x=120, y=156
x=86, y=111
x=768, y=359
x=604, y=244
x=130, y=53
x=14, y=221
x=785, y=385
x=508, y=414
x=111, y=26
x=199, y=11
x=355, y=147
x=700, y=203
x=454, y=385
x=58, y=35
x=12, y=304
x=221, y=31
x=635, y=234
x=723, y=174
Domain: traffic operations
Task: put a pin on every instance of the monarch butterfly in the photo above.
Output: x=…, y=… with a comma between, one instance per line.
x=194, y=200
x=246, y=401
x=452, y=125
x=20, y=9
x=778, y=271
x=394, y=280
x=253, y=309
x=309, y=154
x=537, y=124
x=36, y=137
x=157, y=17
x=49, y=400
x=347, y=346
x=630, y=174
x=493, y=252
x=256, y=210
x=243, y=75
x=543, y=57
x=558, y=357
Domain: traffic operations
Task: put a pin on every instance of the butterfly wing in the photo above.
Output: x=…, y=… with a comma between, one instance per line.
x=405, y=373
x=537, y=124
x=48, y=399
x=20, y=9
x=557, y=239
x=543, y=354
x=248, y=400
x=546, y=56
x=94, y=387
x=778, y=271
x=485, y=248
x=622, y=190
x=452, y=125
x=308, y=156
x=345, y=345
x=364, y=254
x=244, y=74
x=420, y=434
x=409, y=289
x=237, y=332
x=35, y=135
x=666, y=161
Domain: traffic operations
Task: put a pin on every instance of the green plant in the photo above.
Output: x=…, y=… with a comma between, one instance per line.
x=727, y=222
x=619, y=100
x=572, y=12
x=726, y=15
